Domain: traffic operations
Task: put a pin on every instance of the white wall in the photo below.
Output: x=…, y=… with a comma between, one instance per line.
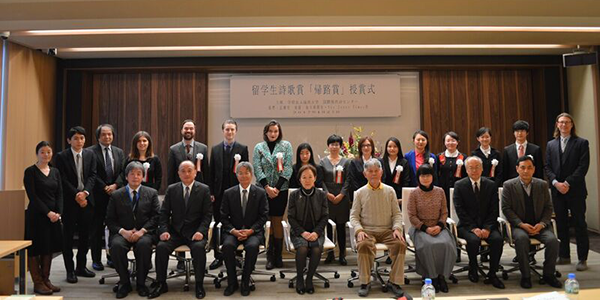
x=316, y=130
x=582, y=105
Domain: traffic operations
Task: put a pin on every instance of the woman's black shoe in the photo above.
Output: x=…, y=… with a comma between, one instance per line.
x=330, y=258
x=299, y=291
x=443, y=285
x=310, y=291
x=343, y=261
x=300, y=286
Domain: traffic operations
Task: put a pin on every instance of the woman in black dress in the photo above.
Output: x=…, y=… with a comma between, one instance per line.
x=396, y=171
x=492, y=167
x=304, y=156
x=451, y=164
x=141, y=151
x=42, y=218
x=366, y=149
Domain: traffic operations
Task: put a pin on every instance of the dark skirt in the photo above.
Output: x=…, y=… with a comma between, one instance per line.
x=46, y=237
x=277, y=205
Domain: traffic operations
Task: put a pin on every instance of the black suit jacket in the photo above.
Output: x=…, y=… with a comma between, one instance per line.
x=476, y=212
x=571, y=166
x=101, y=180
x=120, y=214
x=388, y=175
x=257, y=211
x=216, y=166
x=176, y=218
x=65, y=163
x=487, y=164
x=177, y=154
x=510, y=157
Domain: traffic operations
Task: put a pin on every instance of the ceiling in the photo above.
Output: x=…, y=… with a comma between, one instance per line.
x=302, y=28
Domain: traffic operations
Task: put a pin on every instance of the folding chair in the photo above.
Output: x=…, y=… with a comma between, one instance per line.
x=537, y=245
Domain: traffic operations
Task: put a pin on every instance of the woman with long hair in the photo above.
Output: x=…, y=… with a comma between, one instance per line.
x=142, y=151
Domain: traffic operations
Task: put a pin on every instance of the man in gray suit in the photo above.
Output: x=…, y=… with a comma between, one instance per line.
x=188, y=149
x=527, y=205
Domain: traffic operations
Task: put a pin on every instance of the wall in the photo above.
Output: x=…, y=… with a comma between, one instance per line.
x=316, y=130
x=30, y=110
x=583, y=104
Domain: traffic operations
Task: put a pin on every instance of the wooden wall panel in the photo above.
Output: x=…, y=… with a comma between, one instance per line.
x=465, y=100
x=153, y=102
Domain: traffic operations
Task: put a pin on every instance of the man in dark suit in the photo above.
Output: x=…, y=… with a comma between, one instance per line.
x=527, y=206
x=244, y=212
x=77, y=168
x=476, y=203
x=109, y=165
x=131, y=217
x=223, y=160
x=521, y=147
x=185, y=216
x=567, y=163
x=188, y=149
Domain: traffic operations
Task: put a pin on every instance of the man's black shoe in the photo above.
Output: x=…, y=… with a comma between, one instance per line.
x=495, y=281
x=230, y=290
x=330, y=257
x=110, y=264
x=216, y=264
x=159, y=289
x=98, y=266
x=84, y=272
x=200, y=292
x=552, y=281
x=343, y=261
x=245, y=289
x=71, y=277
x=473, y=275
x=123, y=290
x=395, y=289
x=526, y=282
x=142, y=290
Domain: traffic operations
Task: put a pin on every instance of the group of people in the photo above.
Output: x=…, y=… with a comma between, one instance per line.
x=86, y=189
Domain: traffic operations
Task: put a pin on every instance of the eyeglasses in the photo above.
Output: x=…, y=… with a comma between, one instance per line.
x=564, y=122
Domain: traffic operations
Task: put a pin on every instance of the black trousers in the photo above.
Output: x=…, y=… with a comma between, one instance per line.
x=251, y=247
x=165, y=248
x=577, y=206
x=495, y=241
x=142, y=249
x=97, y=227
x=216, y=240
x=340, y=229
x=76, y=219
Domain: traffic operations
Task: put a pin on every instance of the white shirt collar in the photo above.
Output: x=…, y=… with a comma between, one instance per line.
x=565, y=138
x=478, y=182
x=191, y=185
x=75, y=153
x=104, y=147
x=486, y=152
x=131, y=190
x=448, y=154
x=524, y=145
x=186, y=143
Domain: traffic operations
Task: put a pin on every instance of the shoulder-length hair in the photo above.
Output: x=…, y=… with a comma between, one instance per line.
x=557, y=132
x=397, y=142
x=311, y=160
x=426, y=136
x=134, y=153
x=360, y=144
x=266, y=130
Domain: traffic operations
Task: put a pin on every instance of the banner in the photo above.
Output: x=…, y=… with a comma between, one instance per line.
x=315, y=96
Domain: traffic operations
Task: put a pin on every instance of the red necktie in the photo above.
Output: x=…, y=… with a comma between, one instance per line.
x=521, y=150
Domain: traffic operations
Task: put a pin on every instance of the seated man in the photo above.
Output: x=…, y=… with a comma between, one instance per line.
x=244, y=212
x=131, y=217
x=376, y=218
x=527, y=206
x=184, y=219
x=476, y=203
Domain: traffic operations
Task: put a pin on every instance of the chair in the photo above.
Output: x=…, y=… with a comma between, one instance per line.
x=263, y=248
x=188, y=261
x=130, y=259
x=462, y=243
x=327, y=246
x=537, y=246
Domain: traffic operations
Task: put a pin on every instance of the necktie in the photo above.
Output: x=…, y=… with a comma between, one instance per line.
x=134, y=200
x=186, y=196
x=187, y=151
x=79, y=169
x=244, y=202
x=476, y=190
x=228, y=149
x=521, y=150
x=563, y=145
x=108, y=166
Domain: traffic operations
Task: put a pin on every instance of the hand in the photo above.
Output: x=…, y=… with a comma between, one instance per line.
x=80, y=196
x=137, y=235
x=537, y=228
x=109, y=189
x=165, y=236
x=240, y=235
x=313, y=237
x=562, y=187
x=276, y=191
x=433, y=231
x=331, y=197
x=53, y=216
x=212, y=198
x=398, y=235
x=528, y=228
x=128, y=235
x=247, y=232
x=338, y=198
x=83, y=203
x=306, y=235
x=361, y=236
x=270, y=192
x=485, y=233
x=477, y=232
x=198, y=236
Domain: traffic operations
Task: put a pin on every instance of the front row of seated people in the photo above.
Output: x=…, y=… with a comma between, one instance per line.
x=137, y=221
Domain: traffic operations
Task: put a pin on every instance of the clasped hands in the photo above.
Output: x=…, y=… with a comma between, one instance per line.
x=272, y=192
x=80, y=198
x=242, y=234
x=310, y=236
x=562, y=187
x=335, y=199
x=198, y=236
x=481, y=233
x=53, y=216
x=363, y=235
x=532, y=230
x=132, y=235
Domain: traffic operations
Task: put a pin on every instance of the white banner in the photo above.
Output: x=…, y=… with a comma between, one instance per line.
x=315, y=96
